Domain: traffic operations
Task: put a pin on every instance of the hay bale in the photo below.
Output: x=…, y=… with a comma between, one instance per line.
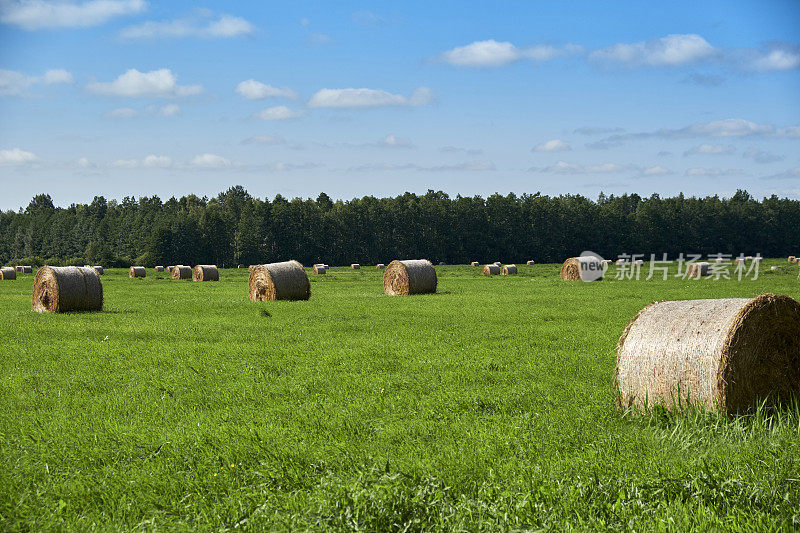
x=355, y=266
x=24, y=269
x=62, y=289
x=380, y=266
x=412, y=276
x=791, y=259
x=169, y=268
x=530, y=262
x=137, y=272
x=490, y=270
x=498, y=263
x=319, y=269
x=576, y=268
x=729, y=353
x=509, y=269
x=159, y=268
x=279, y=281
x=239, y=266
x=620, y=262
x=181, y=272
x=474, y=263
x=8, y=273
x=205, y=273
x=718, y=260
x=698, y=270
x=98, y=269
x=639, y=262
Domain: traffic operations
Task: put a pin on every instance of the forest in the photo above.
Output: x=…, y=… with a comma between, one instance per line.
x=237, y=228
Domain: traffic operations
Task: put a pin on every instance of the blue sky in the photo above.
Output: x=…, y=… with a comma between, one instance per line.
x=133, y=97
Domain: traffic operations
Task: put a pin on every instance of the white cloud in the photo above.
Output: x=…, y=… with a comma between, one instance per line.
x=160, y=83
x=169, y=110
x=264, y=139
x=223, y=27
x=368, y=98
x=779, y=56
x=491, y=53
x=390, y=141
x=554, y=145
x=562, y=167
x=727, y=128
x=656, y=171
x=670, y=51
x=210, y=161
x=15, y=156
x=280, y=112
x=458, y=149
x=588, y=130
x=125, y=163
x=255, y=90
x=158, y=161
x=38, y=14
x=122, y=112
x=760, y=156
x=14, y=83
x=471, y=166
x=710, y=149
x=792, y=173
x=713, y=172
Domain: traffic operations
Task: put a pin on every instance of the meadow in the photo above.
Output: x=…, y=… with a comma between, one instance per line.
x=486, y=406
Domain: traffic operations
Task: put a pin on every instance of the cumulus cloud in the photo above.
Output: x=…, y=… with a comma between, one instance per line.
x=713, y=172
x=773, y=57
x=122, y=112
x=710, y=149
x=13, y=83
x=15, y=156
x=491, y=53
x=210, y=161
x=169, y=110
x=160, y=83
x=760, y=156
x=222, y=27
x=656, y=171
x=562, y=167
x=38, y=14
x=280, y=112
x=554, y=145
x=255, y=90
x=670, y=51
x=352, y=98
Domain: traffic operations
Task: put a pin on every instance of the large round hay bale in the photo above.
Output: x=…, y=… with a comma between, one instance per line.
x=279, y=281
x=137, y=272
x=509, y=269
x=412, y=276
x=181, y=272
x=729, y=353
x=98, y=269
x=61, y=289
x=159, y=268
x=530, y=262
x=474, y=263
x=584, y=267
x=319, y=269
x=205, y=273
x=380, y=266
x=490, y=270
x=355, y=266
x=7, y=273
x=698, y=270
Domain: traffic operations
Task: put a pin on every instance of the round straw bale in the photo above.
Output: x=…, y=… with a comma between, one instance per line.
x=573, y=268
x=638, y=262
x=729, y=353
x=159, y=268
x=7, y=273
x=98, y=269
x=181, y=272
x=355, y=266
x=205, y=273
x=530, y=262
x=498, y=263
x=380, y=266
x=169, y=268
x=61, y=289
x=490, y=270
x=279, y=281
x=319, y=269
x=412, y=276
x=620, y=262
x=509, y=269
x=698, y=270
x=718, y=260
x=137, y=272
x=474, y=263
x=19, y=267
x=239, y=266
x=791, y=259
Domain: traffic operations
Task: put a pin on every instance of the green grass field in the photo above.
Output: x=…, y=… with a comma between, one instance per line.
x=487, y=406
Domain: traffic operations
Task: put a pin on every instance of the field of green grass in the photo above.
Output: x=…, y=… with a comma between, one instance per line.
x=487, y=406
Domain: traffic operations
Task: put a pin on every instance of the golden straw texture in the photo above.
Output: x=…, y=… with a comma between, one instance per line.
x=205, y=273
x=62, y=289
x=279, y=281
x=412, y=276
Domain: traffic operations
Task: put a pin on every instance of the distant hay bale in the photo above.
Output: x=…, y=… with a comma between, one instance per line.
x=474, y=263
x=169, y=268
x=279, y=281
x=530, y=262
x=791, y=259
x=728, y=353
x=319, y=269
x=620, y=262
x=355, y=266
x=62, y=289
x=24, y=269
x=380, y=266
x=698, y=270
x=8, y=273
x=239, y=266
x=509, y=269
x=638, y=262
x=181, y=272
x=739, y=260
x=98, y=269
x=718, y=260
x=748, y=258
x=137, y=272
x=490, y=270
x=498, y=263
x=159, y=268
x=412, y=276
x=573, y=268
x=205, y=273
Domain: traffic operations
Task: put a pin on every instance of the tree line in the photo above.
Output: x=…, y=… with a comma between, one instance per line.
x=237, y=228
